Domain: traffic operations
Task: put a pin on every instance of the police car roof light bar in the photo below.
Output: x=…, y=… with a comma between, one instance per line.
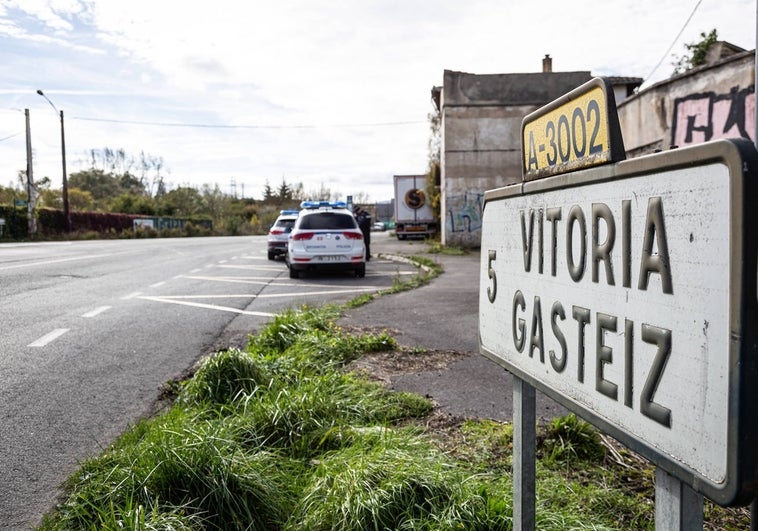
x=323, y=204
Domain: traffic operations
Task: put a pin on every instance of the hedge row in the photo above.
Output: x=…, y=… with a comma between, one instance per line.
x=16, y=226
x=51, y=223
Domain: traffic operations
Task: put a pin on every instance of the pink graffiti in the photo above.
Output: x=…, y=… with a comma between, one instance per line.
x=709, y=116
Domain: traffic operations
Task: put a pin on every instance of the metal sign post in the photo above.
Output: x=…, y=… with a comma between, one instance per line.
x=524, y=461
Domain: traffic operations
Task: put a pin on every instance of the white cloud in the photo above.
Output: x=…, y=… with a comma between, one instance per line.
x=289, y=73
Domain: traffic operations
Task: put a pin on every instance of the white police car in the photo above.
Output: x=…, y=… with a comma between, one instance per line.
x=325, y=237
x=279, y=233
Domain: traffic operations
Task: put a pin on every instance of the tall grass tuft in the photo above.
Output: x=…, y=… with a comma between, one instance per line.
x=223, y=376
x=311, y=415
x=570, y=437
x=286, y=328
x=390, y=479
x=379, y=484
x=179, y=467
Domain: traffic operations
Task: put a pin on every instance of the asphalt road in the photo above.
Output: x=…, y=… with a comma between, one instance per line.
x=91, y=331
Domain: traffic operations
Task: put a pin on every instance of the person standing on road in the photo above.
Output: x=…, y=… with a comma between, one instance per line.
x=364, y=222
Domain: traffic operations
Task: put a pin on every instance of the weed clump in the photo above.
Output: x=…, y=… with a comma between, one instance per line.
x=224, y=376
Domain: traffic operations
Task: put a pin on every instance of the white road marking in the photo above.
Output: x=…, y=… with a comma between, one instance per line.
x=49, y=338
x=323, y=292
x=157, y=284
x=254, y=267
x=58, y=261
x=97, y=311
x=207, y=306
x=131, y=296
x=282, y=282
x=253, y=296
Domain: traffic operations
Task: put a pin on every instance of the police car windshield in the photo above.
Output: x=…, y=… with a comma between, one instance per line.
x=327, y=221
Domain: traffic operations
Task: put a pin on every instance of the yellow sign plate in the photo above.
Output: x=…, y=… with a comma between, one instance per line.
x=576, y=131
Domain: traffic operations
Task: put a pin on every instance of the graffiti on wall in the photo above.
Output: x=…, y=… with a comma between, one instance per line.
x=464, y=212
x=710, y=116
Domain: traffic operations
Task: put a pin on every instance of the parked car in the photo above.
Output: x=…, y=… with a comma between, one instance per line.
x=279, y=233
x=326, y=236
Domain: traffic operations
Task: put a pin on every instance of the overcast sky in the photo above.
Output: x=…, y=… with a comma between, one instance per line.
x=330, y=93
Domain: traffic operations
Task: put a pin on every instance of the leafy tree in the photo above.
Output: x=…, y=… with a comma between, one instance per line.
x=99, y=184
x=128, y=183
x=8, y=194
x=119, y=163
x=155, y=185
x=696, y=52
x=78, y=199
x=434, y=171
x=128, y=203
x=181, y=202
x=215, y=203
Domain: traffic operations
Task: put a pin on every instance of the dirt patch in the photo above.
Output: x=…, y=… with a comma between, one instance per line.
x=383, y=366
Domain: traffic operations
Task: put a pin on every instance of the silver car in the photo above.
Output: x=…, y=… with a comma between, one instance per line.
x=279, y=233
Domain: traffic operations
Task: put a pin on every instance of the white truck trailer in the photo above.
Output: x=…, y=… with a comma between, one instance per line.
x=414, y=215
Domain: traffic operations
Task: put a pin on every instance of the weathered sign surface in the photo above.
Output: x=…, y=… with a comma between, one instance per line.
x=578, y=130
x=627, y=292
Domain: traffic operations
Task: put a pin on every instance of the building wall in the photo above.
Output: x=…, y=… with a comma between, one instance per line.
x=482, y=115
x=706, y=103
x=481, y=152
x=481, y=140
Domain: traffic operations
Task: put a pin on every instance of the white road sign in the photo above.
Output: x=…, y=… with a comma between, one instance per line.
x=620, y=291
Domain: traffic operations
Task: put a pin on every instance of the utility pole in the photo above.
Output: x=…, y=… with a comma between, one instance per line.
x=66, y=212
x=30, y=198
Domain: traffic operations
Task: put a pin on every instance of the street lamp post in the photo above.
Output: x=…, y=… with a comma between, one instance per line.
x=66, y=213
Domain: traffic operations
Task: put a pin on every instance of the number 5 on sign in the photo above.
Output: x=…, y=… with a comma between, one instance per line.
x=576, y=131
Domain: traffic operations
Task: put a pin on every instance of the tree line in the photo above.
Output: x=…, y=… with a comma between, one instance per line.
x=116, y=182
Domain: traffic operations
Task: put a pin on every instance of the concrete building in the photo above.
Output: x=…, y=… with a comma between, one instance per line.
x=481, y=119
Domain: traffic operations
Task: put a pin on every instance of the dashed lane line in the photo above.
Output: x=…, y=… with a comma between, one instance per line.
x=96, y=311
x=48, y=338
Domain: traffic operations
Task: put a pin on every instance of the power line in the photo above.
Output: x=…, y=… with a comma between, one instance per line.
x=11, y=136
x=686, y=23
x=226, y=126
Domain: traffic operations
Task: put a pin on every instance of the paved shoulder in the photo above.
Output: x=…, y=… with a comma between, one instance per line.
x=443, y=315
